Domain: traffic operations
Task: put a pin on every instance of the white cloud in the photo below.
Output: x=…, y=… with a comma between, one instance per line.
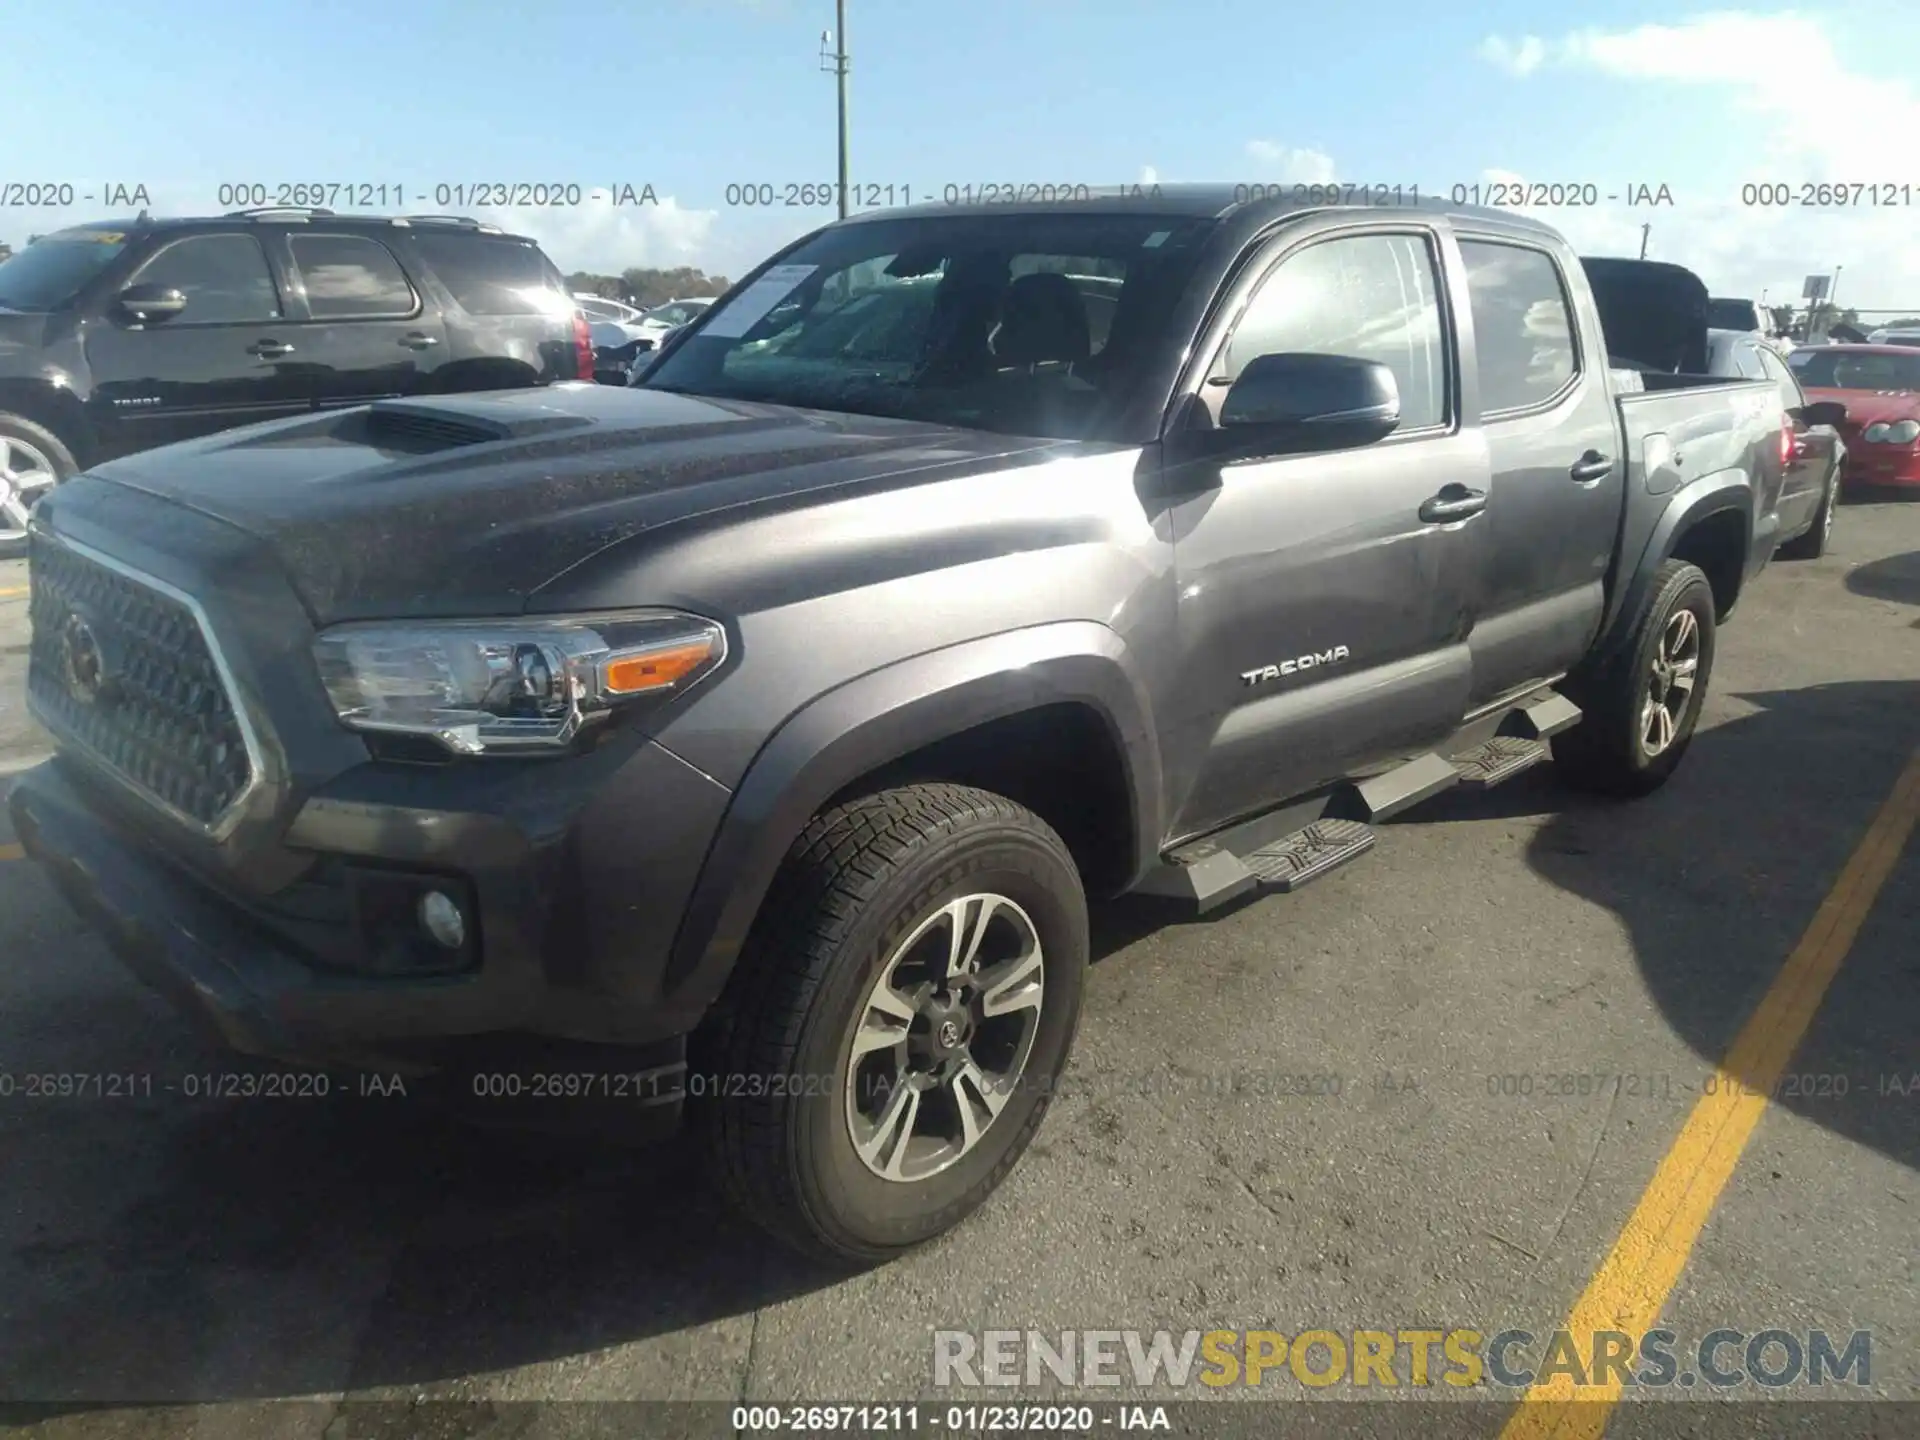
x=606, y=238
x=1789, y=129
x=1520, y=58
x=1291, y=165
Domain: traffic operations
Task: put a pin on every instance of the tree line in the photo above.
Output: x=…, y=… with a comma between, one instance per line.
x=641, y=286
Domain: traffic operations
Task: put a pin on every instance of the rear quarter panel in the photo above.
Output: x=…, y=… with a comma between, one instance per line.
x=1693, y=452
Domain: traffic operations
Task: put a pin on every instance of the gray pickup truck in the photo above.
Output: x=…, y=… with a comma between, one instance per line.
x=740, y=750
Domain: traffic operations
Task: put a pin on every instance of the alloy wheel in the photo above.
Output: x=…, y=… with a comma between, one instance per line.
x=25, y=476
x=944, y=1036
x=1676, y=663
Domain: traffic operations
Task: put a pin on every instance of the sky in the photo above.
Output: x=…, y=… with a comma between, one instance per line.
x=1609, y=98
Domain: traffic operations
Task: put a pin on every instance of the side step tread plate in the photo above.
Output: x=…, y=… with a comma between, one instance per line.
x=1308, y=853
x=1501, y=758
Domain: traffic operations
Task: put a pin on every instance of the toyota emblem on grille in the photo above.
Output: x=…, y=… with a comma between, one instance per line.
x=86, y=667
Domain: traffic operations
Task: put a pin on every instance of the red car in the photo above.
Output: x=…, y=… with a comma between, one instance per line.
x=1880, y=386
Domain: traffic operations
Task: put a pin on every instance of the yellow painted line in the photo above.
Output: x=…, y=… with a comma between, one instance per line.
x=12, y=852
x=1627, y=1292
x=13, y=590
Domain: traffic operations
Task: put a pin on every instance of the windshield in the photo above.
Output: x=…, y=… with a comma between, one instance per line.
x=52, y=270
x=1857, y=370
x=1731, y=315
x=1020, y=324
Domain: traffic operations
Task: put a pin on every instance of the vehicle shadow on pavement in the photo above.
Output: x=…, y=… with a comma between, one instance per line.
x=278, y=1248
x=1895, y=578
x=1718, y=875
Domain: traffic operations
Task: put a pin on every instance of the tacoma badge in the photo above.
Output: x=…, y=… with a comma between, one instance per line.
x=1295, y=666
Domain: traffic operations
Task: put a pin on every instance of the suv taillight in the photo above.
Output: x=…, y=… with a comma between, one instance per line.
x=582, y=346
x=1786, y=444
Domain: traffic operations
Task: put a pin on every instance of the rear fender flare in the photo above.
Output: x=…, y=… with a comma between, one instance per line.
x=1686, y=507
x=881, y=717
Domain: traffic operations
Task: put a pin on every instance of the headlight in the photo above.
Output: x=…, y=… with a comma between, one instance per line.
x=1904, y=433
x=488, y=687
x=1875, y=433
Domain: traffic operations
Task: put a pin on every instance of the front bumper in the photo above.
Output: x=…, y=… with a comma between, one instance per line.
x=567, y=1000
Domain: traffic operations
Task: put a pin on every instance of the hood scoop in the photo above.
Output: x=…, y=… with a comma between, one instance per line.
x=425, y=428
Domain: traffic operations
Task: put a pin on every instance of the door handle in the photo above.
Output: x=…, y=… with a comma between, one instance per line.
x=1454, y=502
x=269, y=349
x=414, y=340
x=1591, y=466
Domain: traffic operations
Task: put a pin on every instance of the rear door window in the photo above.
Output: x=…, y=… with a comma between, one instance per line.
x=351, y=277
x=1522, y=325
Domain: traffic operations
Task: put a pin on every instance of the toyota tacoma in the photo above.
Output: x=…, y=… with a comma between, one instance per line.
x=743, y=747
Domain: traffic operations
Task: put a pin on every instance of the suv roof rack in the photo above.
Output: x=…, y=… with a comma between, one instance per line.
x=464, y=222
x=261, y=212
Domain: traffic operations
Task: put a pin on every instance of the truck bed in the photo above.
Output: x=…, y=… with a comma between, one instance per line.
x=1696, y=430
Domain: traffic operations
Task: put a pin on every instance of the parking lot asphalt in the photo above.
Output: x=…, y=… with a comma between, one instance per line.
x=201, y=1255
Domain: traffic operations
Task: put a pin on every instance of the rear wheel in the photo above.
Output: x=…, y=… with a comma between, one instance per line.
x=32, y=462
x=1641, y=707
x=898, y=1021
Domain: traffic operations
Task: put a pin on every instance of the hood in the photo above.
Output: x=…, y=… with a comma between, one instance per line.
x=1654, y=315
x=1870, y=407
x=468, y=505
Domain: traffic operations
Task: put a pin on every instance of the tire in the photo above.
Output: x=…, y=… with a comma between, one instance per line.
x=32, y=461
x=772, y=1101
x=1610, y=751
x=1813, y=544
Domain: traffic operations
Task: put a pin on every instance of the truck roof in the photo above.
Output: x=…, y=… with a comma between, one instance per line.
x=1220, y=202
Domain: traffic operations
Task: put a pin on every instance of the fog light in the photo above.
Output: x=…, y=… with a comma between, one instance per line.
x=440, y=917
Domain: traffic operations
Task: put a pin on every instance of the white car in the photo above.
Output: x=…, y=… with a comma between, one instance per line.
x=1895, y=337
x=599, y=307
x=612, y=323
x=671, y=316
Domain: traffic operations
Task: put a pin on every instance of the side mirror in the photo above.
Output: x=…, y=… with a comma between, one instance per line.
x=1304, y=402
x=1823, y=412
x=148, y=303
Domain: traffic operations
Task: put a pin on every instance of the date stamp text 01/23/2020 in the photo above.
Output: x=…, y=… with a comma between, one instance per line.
x=814, y=194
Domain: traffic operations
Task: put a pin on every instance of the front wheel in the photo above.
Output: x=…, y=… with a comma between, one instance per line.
x=32, y=461
x=898, y=1021
x=1641, y=707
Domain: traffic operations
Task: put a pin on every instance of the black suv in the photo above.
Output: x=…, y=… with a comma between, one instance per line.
x=126, y=334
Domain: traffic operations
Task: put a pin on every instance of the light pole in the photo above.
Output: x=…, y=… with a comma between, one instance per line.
x=836, y=63
x=1645, y=230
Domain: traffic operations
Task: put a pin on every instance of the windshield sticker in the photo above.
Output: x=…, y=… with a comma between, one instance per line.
x=96, y=237
x=751, y=305
x=1155, y=240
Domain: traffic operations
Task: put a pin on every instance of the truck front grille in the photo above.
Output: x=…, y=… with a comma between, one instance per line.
x=122, y=669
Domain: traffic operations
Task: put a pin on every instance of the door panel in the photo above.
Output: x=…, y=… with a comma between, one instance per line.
x=1558, y=483
x=1296, y=559
x=217, y=364
x=1322, y=621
